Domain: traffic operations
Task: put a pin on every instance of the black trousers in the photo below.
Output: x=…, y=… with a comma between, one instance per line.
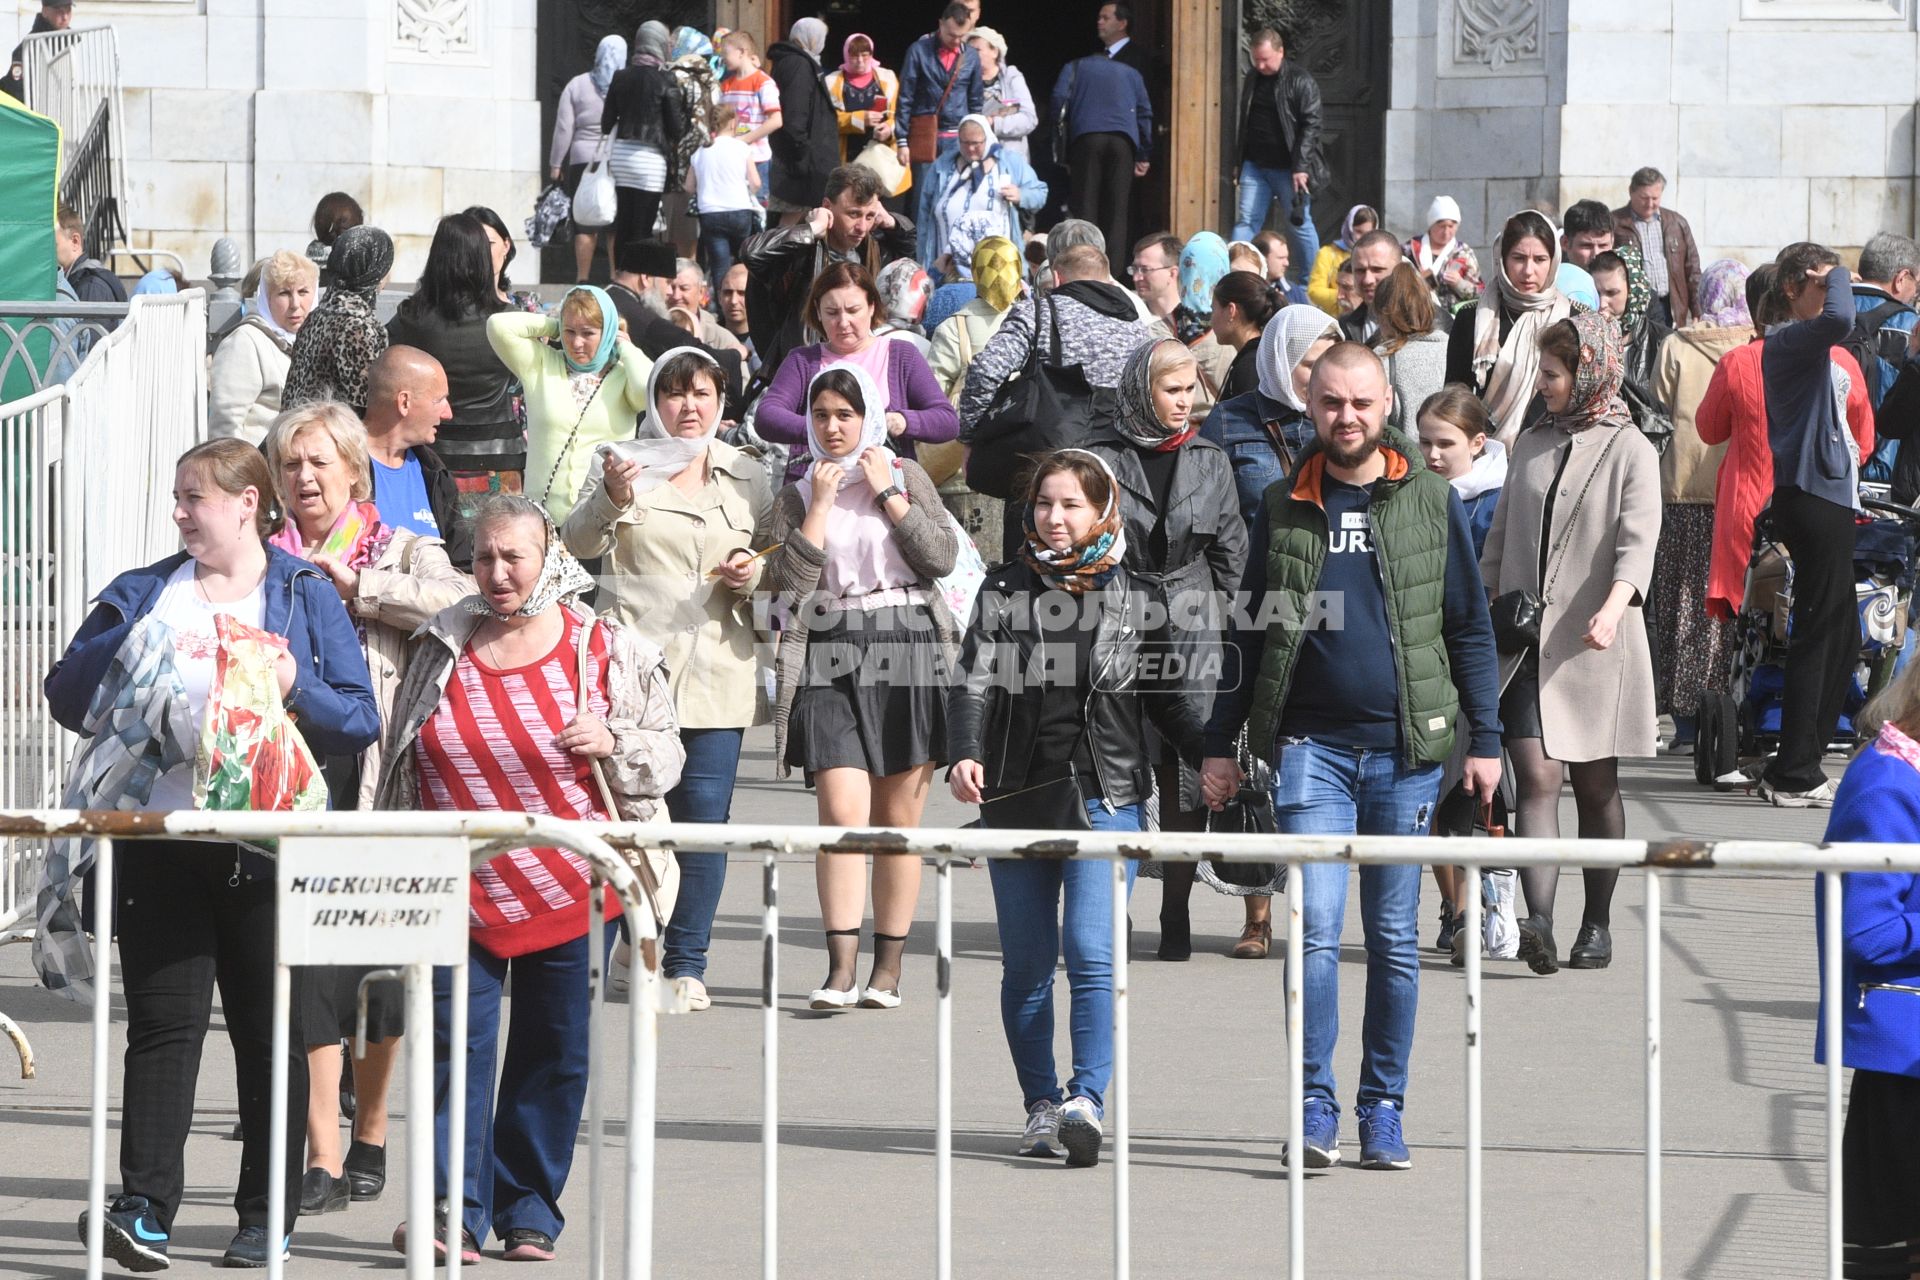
x=183, y=931
x=1101, y=165
x=1825, y=641
x=634, y=214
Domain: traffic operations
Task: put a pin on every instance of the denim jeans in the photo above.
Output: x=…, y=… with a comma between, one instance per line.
x=721, y=235
x=705, y=794
x=519, y=1149
x=1327, y=790
x=1026, y=898
x=1259, y=188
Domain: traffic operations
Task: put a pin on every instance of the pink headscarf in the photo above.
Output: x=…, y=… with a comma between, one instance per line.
x=846, y=60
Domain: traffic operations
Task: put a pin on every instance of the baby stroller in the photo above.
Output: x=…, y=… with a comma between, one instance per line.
x=1738, y=729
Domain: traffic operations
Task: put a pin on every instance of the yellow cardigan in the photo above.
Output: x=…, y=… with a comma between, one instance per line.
x=853, y=138
x=1323, y=289
x=519, y=339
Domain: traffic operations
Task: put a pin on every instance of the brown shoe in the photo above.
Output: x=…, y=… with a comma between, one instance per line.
x=1255, y=940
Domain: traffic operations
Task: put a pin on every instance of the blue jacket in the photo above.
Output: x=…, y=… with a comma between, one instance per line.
x=1879, y=800
x=923, y=80
x=1238, y=424
x=1104, y=95
x=1812, y=447
x=1881, y=373
x=1011, y=166
x=332, y=697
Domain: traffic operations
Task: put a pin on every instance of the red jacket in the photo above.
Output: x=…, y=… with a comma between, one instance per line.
x=1735, y=410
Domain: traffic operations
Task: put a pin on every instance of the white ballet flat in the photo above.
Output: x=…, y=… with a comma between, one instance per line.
x=828, y=998
x=875, y=998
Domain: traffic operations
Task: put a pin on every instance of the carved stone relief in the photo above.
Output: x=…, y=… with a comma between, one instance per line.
x=1501, y=36
x=436, y=28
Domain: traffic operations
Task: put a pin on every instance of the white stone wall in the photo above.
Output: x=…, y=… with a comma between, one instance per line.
x=1774, y=120
x=416, y=108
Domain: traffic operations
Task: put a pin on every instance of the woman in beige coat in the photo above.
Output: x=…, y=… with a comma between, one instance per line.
x=1581, y=512
x=679, y=514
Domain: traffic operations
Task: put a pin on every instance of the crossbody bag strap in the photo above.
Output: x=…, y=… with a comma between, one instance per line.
x=561, y=457
x=952, y=79
x=1559, y=552
x=643, y=869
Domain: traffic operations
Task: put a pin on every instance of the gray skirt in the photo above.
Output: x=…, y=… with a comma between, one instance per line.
x=873, y=694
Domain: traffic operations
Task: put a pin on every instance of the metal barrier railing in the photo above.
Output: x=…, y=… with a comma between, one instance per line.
x=1657, y=859
x=73, y=77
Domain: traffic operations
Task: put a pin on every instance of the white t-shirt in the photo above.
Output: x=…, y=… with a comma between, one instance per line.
x=195, y=643
x=720, y=176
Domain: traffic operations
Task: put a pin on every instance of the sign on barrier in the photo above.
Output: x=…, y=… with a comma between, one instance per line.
x=342, y=902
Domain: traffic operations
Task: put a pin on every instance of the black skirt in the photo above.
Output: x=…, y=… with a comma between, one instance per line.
x=1880, y=1170
x=873, y=694
x=1520, y=701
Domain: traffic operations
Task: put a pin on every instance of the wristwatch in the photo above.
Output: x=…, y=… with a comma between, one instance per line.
x=891, y=491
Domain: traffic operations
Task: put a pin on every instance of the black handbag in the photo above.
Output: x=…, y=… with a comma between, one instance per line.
x=1055, y=805
x=1043, y=407
x=1516, y=615
x=1249, y=813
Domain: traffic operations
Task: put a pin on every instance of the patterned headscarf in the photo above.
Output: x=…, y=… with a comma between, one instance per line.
x=561, y=578
x=1722, y=301
x=1596, y=383
x=904, y=288
x=691, y=42
x=1135, y=419
x=609, y=330
x=652, y=44
x=997, y=271
x=608, y=61
x=1089, y=563
x=359, y=260
x=1284, y=344
x=1639, y=289
x=1202, y=262
x=1577, y=284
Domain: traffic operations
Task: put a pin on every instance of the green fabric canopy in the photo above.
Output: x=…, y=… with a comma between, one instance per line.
x=29, y=179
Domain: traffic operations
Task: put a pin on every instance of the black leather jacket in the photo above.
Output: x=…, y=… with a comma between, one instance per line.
x=1299, y=112
x=996, y=724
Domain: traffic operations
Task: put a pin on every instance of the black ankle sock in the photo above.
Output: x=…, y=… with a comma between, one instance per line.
x=843, y=958
x=888, y=948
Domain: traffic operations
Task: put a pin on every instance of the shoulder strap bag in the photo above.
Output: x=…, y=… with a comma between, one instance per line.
x=1517, y=614
x=923, y=132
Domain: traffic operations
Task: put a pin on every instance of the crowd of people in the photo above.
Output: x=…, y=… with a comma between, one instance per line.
x=935, y=490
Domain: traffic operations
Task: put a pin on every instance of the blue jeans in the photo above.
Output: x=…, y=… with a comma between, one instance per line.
x=1026, y=898
x=1327, y=790
x=766, y=180
x=705, y=794
x=1259, y=188
x=721, y=235
x=520, y=1149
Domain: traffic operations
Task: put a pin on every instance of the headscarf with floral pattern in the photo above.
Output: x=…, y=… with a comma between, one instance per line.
x=1596, y=382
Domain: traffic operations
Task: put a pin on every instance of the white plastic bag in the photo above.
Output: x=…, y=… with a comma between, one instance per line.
x=594, y=200
x=1498, y=927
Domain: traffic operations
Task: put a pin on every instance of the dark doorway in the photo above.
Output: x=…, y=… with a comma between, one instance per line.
x=1345, y=44
x=568, y=33
x=1042, y=37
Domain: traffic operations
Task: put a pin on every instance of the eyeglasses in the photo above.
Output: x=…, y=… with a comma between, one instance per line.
x=1137, y=270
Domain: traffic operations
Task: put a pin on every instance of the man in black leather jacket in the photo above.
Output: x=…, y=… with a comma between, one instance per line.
x=1279, y=146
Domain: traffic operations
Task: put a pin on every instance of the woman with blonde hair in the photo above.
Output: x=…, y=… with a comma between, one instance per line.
x=250, y=364
x=391, y=580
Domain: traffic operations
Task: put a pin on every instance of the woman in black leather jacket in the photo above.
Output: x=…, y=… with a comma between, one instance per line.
x=1039, y=687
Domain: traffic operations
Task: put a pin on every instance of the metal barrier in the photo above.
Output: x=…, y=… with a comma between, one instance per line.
x=45, y=342
x=86, y=478
x=943, y=847
x=73, y=77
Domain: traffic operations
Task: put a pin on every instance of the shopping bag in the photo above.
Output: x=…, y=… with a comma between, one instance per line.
x=595, y=201
x=250, y=757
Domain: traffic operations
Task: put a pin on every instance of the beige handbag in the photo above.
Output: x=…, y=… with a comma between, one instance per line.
x=659, y=874
x=883, y=162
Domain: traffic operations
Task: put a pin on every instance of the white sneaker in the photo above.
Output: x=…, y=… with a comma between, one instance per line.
x=694, y=993
x=1820, y=797
x=1080, y=1132
x=1042, y=1134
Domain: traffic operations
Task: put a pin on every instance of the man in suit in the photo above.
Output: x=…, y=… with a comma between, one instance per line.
x=1108, y=122
x=1666, y=245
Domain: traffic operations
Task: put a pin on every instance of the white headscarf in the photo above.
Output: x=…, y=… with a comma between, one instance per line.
x=661, y=456
x=263, y=311
x=873, y=430
x=809, y=35
x=1284, y=343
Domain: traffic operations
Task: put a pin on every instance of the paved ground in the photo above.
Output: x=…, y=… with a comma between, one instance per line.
x=1563, y=1123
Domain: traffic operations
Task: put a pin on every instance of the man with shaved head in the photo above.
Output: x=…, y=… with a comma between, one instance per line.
x=406, y=403
x=1363, y=640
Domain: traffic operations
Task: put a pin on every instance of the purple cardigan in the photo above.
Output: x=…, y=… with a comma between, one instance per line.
x=912, y=392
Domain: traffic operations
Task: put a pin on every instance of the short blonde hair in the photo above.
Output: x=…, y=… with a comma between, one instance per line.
x=289, y=268
x=340, y=425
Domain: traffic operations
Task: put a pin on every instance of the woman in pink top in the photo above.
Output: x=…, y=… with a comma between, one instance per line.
x=864, y=656
x=842, y=308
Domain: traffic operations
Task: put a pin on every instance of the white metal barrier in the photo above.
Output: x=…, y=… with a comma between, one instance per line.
x=73, y=78
x=943, y=847
x=86, y=481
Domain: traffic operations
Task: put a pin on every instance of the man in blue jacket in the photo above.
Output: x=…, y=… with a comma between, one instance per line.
x=1100, y=103
x=941, y=80
x=1363, y=640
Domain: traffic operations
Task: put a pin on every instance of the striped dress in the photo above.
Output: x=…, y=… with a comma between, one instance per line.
x=489, y=747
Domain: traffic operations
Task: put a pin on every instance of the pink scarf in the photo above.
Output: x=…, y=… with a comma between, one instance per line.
x=356, y=540
x=846, y=61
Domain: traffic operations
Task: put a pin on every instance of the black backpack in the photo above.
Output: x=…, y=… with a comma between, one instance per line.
x=1044, y=406
x=1868, y=346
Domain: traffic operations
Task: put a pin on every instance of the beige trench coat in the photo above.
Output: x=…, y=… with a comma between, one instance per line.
x=1594, y=703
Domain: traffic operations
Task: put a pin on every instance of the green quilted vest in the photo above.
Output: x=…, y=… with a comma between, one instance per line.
x=1409, y=521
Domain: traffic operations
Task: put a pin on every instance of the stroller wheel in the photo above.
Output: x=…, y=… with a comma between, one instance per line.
x=1715, y=744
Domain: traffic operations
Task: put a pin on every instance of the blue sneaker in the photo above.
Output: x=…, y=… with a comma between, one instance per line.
x=1381, y=1146
x=132, y=1235
x=1322, y=1132
x=249, y=1248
